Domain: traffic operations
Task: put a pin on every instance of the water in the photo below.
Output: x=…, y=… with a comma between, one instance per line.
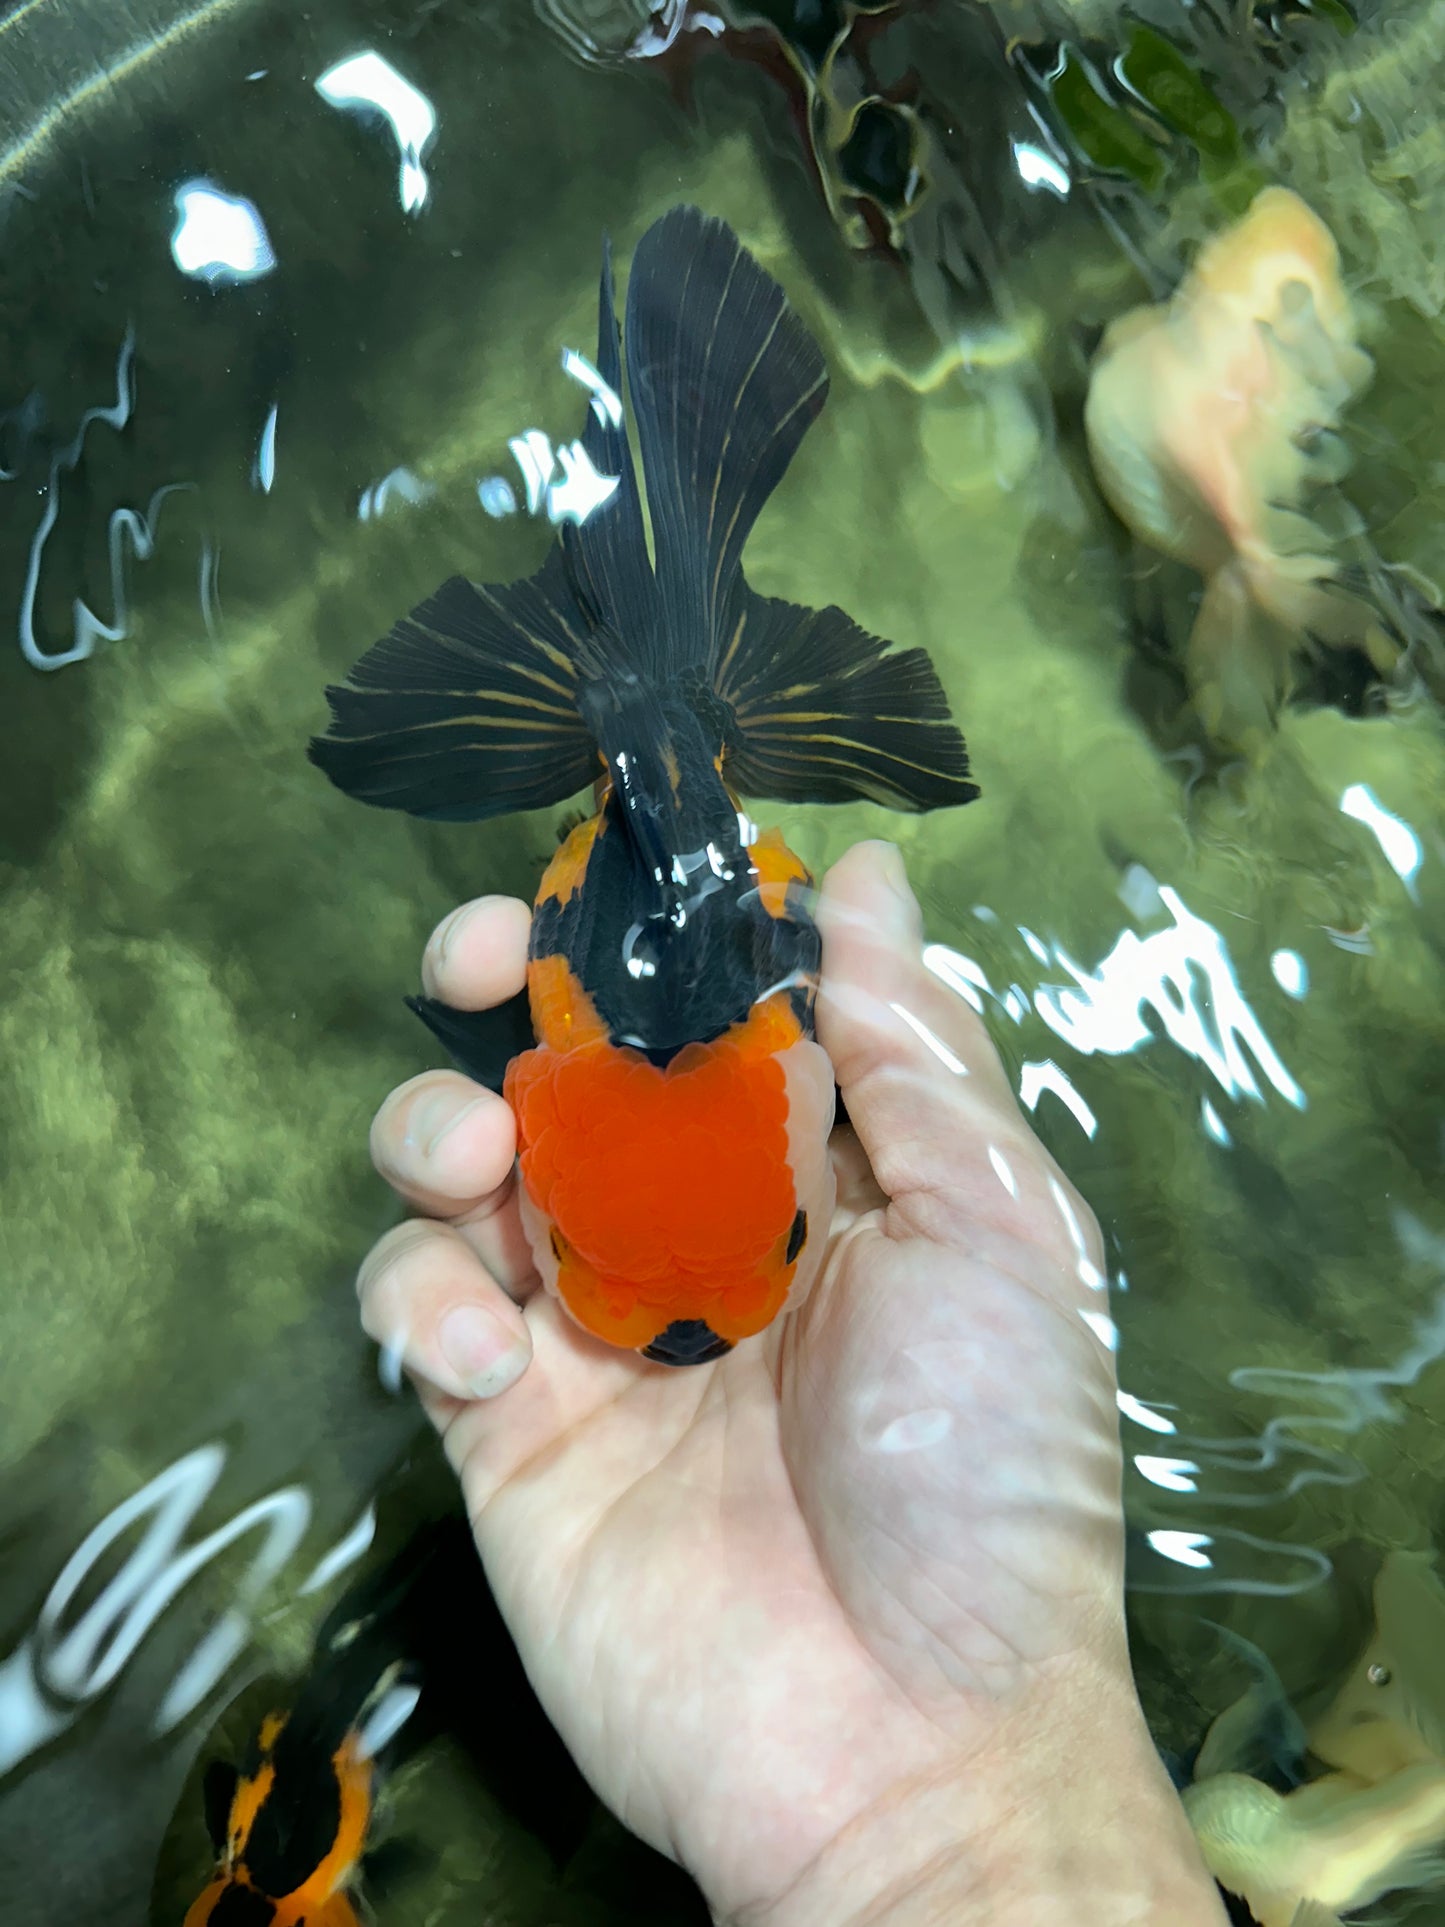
x=1217, y=984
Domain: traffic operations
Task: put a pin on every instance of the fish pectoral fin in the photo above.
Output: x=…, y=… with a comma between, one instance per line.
x=1313, y=1913
x=823, y=712
x=724, y=381
x=481, y=1043
x=467, y=709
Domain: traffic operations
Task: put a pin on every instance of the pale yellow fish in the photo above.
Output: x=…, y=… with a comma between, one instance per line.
x=1390, y=1712
x=1323, y=1850
x=1209, y=418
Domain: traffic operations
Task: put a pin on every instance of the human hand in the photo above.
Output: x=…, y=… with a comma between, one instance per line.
x=837, y=1620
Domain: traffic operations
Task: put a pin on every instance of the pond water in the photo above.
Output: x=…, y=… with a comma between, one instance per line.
x=273, y=313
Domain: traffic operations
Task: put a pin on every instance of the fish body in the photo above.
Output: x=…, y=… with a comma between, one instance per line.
x=1329, y=1847
x=672, y=1103
x=292, y=1822
x=1209, y=417
x=291, y=1826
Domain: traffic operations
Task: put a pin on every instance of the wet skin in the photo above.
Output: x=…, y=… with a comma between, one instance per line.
x=826, y=1615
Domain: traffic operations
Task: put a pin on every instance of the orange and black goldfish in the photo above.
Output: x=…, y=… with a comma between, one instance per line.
x=672, y=1106
x=292, y=1822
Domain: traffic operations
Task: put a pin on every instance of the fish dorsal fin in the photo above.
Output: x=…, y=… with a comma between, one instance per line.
x=724, y=381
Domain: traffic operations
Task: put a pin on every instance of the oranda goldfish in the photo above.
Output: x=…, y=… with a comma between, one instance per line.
x=1209, y=417
x=673, y=1109
x=1375, y=1824
x=292, y=1823
x=1329, y=1847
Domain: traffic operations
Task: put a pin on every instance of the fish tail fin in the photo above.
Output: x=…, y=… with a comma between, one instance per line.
x=725, y=380
x=469, y=707
x=819, y=711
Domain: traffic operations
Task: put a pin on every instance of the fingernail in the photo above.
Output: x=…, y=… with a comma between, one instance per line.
x=435, y=1116
x=440, y=943
x=890, y=862
x=480, y=1350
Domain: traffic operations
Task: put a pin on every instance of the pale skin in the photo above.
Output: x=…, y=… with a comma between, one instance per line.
x=837, y=1621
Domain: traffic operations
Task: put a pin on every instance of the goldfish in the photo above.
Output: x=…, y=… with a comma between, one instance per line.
x=292, y=1823
x=1209, y=418
x=1389, y=1714
x=1377, y=1821
x=1332, y=1845
x=672, y=1103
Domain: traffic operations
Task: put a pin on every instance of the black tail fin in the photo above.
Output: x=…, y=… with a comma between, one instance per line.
x=468, y=708
x=724, y=381
x=822, y=712
x=475, y=704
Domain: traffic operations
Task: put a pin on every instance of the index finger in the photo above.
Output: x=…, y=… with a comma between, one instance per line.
x=477, y=956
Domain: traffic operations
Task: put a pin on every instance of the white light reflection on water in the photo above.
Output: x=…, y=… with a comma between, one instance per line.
x=1142, y=1414
x=1038, y=169
x=219, y=238
x=936, y=1044
x=494, y=492
x=367, y=84
x=1184, y=1548
x=400, y=484
x=132, y=530
x=1035, y=1079
x=1105, y=1012
x=1236, y=1562
x=1396, y=839
x=1286, y=1456
x=263, y=472
x=1003, y=1171
x=532, y=452
x=606, y=402
x=960, y=973
x=1174, y=1475
x=344, y=1553
x=75, y=1655
x=581, y=491
x=1291, y=972
x=1103, y=1328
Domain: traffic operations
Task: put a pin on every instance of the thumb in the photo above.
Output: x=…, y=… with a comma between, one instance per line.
x=923, y=1085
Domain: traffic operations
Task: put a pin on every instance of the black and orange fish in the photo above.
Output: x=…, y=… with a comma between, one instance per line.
x=672, y=1106
x=291, y=1824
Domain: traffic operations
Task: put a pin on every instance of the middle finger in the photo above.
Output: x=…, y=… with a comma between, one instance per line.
x=445, y=1144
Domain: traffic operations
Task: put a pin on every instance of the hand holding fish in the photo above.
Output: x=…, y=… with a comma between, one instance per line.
x=836, y=1619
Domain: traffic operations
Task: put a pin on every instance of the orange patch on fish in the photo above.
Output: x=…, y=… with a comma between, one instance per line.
x=688, y=1213
x=563, y=876
x=563, y=1015
x=777, y=868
